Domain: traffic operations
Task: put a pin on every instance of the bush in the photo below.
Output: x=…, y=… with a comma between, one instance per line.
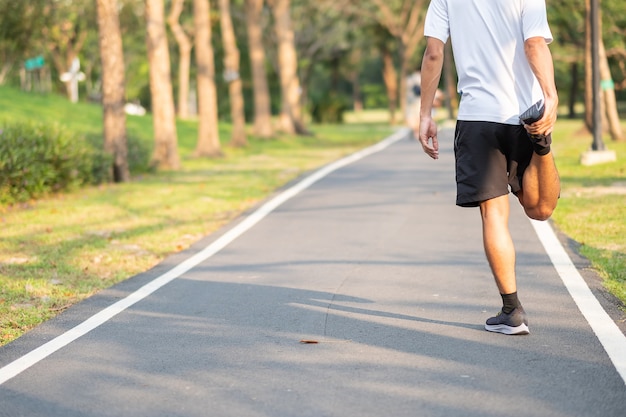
x=329, y=109
x=37, y=159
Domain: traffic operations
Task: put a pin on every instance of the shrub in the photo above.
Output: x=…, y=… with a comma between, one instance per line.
x=329, y=109
x=37, y=159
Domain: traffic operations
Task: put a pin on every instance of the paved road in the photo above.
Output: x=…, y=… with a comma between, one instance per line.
x=376, y=264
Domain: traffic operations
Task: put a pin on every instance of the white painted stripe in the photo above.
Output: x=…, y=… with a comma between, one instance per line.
x=23, y=363
x=609, y=335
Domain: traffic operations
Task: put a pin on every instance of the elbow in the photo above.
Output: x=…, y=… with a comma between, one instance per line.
x=434, y=51
x=433, y=56
x=533, y=44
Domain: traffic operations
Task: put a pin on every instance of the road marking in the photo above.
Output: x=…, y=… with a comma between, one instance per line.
x=610, y=336
x=23, y=363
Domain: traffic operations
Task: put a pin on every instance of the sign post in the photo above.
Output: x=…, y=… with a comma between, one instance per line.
x=73, y=76
x=35, y=74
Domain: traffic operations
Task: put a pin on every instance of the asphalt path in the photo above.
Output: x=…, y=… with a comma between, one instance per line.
x=373, y=262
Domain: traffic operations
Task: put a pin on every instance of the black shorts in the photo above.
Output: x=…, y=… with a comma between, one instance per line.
x=490, y=160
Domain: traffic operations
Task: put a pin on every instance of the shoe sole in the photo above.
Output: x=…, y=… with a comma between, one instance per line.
x=504, y=329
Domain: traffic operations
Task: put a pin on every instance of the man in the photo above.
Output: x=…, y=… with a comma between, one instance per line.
x=504, y=67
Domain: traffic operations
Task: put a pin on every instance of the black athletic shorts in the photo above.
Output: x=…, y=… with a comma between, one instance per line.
x=490, y=159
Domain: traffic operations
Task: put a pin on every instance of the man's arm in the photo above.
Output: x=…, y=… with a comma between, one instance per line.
x=432, y=64
x=540, y=60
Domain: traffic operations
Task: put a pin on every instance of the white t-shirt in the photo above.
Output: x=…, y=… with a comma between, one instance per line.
x=496, y=82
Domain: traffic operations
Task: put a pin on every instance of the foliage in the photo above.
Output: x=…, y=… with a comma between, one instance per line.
x=17, y=106
x=20, y=21
x=567, y=19
x=330, y=108
x=37, y=159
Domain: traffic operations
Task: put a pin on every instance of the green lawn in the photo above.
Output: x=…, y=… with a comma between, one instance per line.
x=59, y=250
x=592, y=208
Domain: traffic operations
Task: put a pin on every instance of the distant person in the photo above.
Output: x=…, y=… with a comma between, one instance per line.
x=413, y=94
x=413, y=99
x=504, y=67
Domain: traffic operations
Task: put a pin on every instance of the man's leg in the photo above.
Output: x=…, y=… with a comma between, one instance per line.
x=541, y=187
x=500, y=253
x=498, y=243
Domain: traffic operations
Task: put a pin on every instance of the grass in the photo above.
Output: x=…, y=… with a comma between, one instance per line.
x=57, y=251
x=592, y=208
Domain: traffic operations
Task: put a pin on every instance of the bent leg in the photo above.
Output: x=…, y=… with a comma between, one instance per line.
x=541, y=187
x=498, y=243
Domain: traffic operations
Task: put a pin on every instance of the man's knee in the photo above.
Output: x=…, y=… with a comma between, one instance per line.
x=540, y=213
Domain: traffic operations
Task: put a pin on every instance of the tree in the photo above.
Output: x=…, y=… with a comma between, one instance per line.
x=405, y=21
x=291, y=111
x=20, y=22
x=262, y=110
x=567, y=22
x=390, y=77
x=231, y=74
x=165, y=153
x=570, y=25
x=326, y=39
x=614, y=20
x=184, y=63
x=65, y=32
x=113, y=96
x=208, y=135
x=609, y=112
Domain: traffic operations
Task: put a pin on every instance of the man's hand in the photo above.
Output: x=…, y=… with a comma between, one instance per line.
x=428, y=133
x=545, y=125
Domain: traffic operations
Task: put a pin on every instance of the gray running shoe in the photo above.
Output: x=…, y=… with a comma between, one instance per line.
x=513, y=323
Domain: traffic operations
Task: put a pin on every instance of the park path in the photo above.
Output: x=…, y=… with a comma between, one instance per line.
x=375, y=264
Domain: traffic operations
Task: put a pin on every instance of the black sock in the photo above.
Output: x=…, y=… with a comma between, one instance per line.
x=541, y=150
x=541, y=144
x=509, y=302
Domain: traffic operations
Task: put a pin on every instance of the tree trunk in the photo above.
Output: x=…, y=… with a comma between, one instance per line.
x=390, y=77
x=231, y=69
x=357, y=98
x=113, y=88
x=208, y=134
x=573, y=91
x=588, y=71
x=610, y=116
x=608, y=97
x=291, y=111
x=262, y=107
x=404, y=72
x=4, y=71
x=184, y=64
x=165, y=153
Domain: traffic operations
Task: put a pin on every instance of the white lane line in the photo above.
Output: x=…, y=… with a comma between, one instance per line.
x=23, y=363
x=610, y=336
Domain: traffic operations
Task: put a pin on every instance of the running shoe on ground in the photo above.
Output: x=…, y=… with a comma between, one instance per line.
x=513, y=323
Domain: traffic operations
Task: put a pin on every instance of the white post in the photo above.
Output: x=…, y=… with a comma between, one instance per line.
x=73, y=76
